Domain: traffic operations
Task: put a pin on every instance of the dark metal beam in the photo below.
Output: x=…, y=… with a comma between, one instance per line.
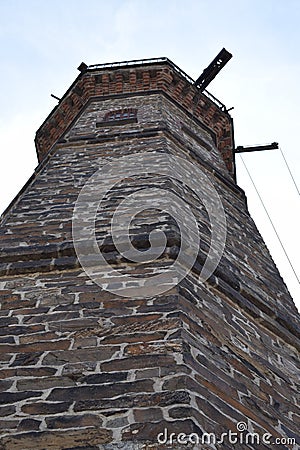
x=213, y=69
x=54, y=96
x=256, y=148
x=82, y=67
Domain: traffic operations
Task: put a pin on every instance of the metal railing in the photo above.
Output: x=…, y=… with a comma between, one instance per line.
x=133, y=62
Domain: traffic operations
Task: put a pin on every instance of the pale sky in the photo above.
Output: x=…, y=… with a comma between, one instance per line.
x=43, y=42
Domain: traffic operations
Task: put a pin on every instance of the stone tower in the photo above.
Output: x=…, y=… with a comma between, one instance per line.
x=141, y=353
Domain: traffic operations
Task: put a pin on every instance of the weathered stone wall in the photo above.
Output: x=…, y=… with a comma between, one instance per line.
x=82, y=368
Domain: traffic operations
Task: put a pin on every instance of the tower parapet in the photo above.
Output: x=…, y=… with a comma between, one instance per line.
x=133, y=78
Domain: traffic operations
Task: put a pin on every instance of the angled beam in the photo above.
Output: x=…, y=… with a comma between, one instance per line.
x=213, y=69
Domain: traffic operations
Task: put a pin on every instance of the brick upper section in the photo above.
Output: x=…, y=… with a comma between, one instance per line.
x=143, y=78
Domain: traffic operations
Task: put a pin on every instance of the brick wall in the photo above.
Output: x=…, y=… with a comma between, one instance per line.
x=83, y=368
x=126, y=81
